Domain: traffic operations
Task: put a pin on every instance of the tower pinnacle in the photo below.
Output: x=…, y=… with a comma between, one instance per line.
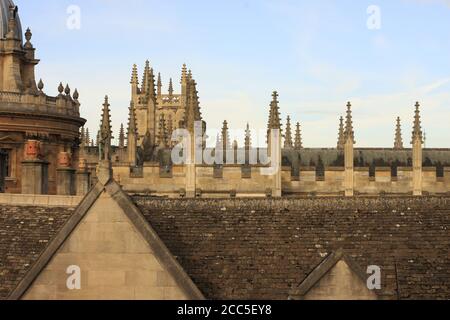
x=417, y=129
x=398, y=142
x=349, y=133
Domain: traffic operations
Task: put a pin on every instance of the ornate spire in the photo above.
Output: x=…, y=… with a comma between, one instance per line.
x=298, y=144
x=288, y=143
x=341, y=138
x=274, y=113
x=184, y=74
x=349, y=133
x=170, y=88
x=105, y=132
x=248, y=137
x=151, y=85
x=162, y=132
x=132, y=136
x=132, y=129
x=193, y=112
x=146, y=78
x=121, y=137
x=225, y=136
x=398, y=143
x=417, y=129
x=159, y=85
x=134, y=76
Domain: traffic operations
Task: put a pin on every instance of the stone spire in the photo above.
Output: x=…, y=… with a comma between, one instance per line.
x=274, y=122
x=134, y=80
x=105, y=150
x=298, y=144
x=417, y=146
x=184, y=81
x=341, y=138
x=193, y=112
x=184, y=73
x=145, y=77
x=162, y=132
x=417, y=128
x=159, y=85
x=274, y=113
x=121, y=137
x=226, y=136
x=132, y=136
x=349, y=133
x=288, y=143
x=170, y=88
x=132, y=129
x=398, y=143
x=134, y=76
x=248, y=137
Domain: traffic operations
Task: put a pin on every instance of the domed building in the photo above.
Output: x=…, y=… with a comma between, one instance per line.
x=39, y=134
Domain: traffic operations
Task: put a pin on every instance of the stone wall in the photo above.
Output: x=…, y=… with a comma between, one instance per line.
x=231, y=180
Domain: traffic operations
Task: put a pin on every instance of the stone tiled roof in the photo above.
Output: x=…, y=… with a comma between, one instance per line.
x=263, y=249
x=25, y=232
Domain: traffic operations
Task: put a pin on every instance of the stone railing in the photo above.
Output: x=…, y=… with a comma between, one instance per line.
x=40, y=103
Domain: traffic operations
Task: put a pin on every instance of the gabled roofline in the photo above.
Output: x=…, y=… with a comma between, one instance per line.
x=162, y=253
x=322, y=269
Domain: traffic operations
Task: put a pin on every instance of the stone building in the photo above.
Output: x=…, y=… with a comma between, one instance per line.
x=244, y=227
x=35, y=129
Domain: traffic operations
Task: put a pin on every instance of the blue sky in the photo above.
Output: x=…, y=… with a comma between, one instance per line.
x=316, y=54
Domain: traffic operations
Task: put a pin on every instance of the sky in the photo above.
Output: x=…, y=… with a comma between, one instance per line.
x=382, y=55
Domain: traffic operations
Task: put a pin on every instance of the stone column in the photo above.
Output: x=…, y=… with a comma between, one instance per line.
x=34, y=170
x=83, y=179
x=417, y=142
x=349, y=167
x=275, y=156
x=65, y=175
x=190, y=166
x=417, y=166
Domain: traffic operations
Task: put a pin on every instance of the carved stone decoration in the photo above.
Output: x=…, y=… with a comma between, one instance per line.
x=32, y=150
x=64, y=160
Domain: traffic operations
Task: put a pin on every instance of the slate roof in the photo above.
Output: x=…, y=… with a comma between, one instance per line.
x=264, y=249
x=24, y=234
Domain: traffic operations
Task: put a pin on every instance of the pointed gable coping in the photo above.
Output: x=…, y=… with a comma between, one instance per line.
x=322, y=270
x=162, y=253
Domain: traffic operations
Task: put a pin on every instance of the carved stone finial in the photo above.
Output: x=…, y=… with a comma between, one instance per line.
x=398, y=142
x=60, y=88
x=67, y=90
x=40, y=85
x=76, y=95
